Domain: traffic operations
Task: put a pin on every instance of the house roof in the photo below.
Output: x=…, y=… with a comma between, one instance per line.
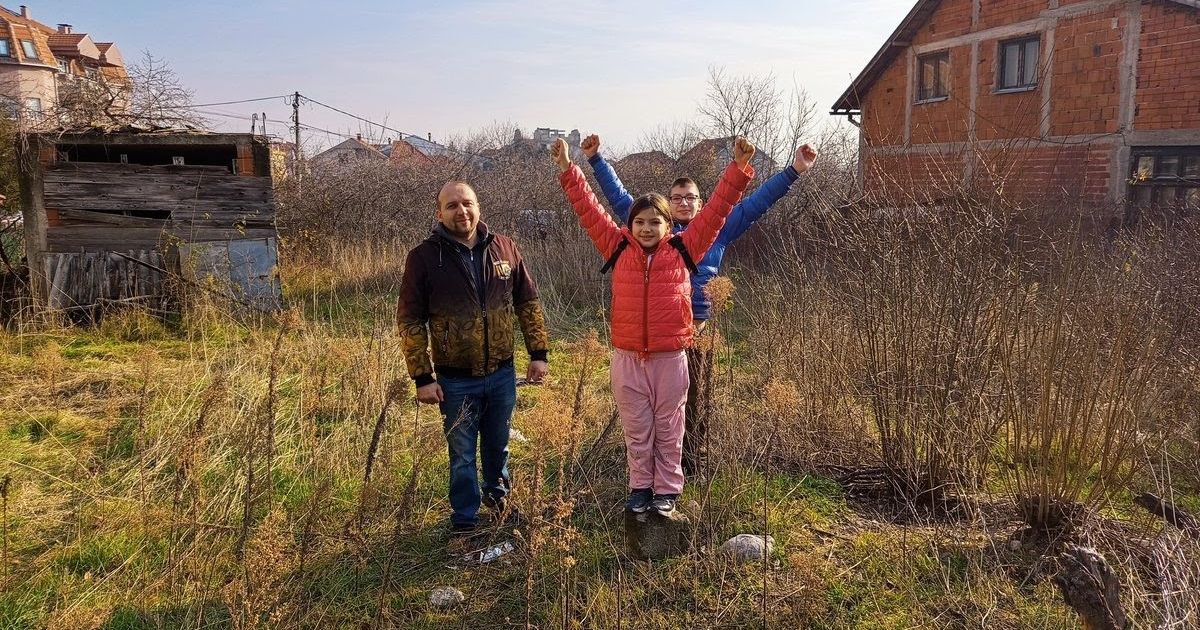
x=647, y=160
x=851, y=100
x=74, y=45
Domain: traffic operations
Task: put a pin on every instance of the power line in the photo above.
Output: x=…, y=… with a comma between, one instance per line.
x=247, y=100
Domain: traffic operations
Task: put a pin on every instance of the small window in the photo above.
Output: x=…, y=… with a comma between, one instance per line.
x=1019, y=59
x=933, y=76
x=1166, y=176
x=5, y=50
x=64, y=66
x=29, y=48
x=33, y=106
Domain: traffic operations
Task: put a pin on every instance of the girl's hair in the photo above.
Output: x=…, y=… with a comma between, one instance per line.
x=652, y=201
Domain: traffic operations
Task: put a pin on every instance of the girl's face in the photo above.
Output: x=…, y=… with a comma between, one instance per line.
x=648, y=227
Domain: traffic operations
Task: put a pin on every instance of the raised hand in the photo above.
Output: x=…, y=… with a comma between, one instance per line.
x=590, y=145
x=562, y=157
x=806, y=156
x=743, y=150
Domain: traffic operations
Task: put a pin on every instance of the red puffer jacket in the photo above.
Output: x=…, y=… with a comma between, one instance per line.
x=652, y=292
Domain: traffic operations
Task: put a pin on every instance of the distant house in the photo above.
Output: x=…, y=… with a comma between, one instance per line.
x=1093, y=100
x=348, y=152
x=43, y=67
x=655, y=163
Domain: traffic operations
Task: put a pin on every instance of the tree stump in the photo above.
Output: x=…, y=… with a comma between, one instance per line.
x=652, y=536
x=1089, y=586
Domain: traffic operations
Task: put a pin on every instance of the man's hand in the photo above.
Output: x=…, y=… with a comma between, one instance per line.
x=590, y=146
x=806, y=156
x=743, y=150
x=430, y=394
x=561, y=156
x=537, y=372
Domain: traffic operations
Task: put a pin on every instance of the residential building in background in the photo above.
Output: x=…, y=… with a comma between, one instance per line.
x=41, y=68
x=1089, y=100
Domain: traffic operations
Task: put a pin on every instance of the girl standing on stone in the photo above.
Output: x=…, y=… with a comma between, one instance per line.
x=652, y=317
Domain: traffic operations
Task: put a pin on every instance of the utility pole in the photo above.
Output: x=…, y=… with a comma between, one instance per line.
x=296, y=123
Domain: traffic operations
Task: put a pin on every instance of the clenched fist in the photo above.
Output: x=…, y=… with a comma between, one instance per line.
x=561, y=155
x=806, y=156
x=743, y=150
x=590, y=145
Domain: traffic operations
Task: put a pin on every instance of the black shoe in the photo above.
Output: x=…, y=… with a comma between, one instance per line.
x=664, y=503
x=639, y=500
x=463, y=530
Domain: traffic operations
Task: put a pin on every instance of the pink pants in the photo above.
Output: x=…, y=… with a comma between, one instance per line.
x=651, y=394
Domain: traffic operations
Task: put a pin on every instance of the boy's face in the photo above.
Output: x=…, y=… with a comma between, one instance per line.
x=649, y=227
x=685, y=202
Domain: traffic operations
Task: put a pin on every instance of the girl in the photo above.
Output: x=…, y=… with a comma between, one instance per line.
x=652, y=317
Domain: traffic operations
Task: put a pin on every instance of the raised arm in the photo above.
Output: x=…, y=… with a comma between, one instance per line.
x=752, y=208
x=702, y=232
x=614, y=191
x=605, y=233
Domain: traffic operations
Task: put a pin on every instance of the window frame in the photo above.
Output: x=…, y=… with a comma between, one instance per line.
x=1021, y=44
x=6, y=50
x=939, y=58
x=1157, y=182
x=64, y=66
x=30, y=49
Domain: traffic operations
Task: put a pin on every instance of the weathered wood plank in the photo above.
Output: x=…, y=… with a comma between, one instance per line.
x=116, y=168
x=89, y=216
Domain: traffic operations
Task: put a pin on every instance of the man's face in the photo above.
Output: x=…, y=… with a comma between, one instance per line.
x=685, y=202
x=458, y=210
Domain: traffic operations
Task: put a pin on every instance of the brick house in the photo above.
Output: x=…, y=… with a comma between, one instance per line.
x=41, y=67
x=1093, y=101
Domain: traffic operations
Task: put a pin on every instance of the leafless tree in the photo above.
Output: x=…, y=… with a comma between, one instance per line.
x=777, y=121
x=158, y=97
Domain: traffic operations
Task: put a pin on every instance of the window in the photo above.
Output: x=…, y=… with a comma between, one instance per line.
x=1019, y=60
x=33, y=106
x=933, y=77
x=1166, y=176
x=64, y=66
x=5, y=51
x=29, y=48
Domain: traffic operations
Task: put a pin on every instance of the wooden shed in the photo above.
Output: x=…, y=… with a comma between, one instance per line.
x=116, y=217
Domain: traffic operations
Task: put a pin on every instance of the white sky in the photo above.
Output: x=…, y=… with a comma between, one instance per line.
x=616, y=68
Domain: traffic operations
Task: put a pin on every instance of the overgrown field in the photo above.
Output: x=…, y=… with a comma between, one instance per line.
x=984, y=397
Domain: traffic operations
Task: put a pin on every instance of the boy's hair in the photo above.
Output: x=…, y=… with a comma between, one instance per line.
x=684, y=181
x=653, y=201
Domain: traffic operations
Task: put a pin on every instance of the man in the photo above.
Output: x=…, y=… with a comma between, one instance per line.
x=685, y=203
x=461, y=288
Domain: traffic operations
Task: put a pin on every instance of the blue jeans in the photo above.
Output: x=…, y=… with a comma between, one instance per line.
x=477, y=411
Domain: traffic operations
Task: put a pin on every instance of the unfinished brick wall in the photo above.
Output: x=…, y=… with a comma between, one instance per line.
x=1168, y=78
x=1080, y=86
x=952, y=18
x=913, y=178
x=1013, y=114
x=946, y=121
x=1085, y=94
x=1033, y=172
x=993, y=14
x=884, y=107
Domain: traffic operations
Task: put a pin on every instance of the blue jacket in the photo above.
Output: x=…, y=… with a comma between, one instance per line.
x=743, y=216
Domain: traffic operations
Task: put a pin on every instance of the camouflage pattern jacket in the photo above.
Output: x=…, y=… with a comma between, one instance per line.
x=469, y=328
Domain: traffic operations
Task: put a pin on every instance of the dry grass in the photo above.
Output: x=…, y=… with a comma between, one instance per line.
x=224, y=470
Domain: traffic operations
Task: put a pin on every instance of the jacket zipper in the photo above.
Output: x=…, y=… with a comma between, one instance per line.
x=483, y=309
x=646, y=305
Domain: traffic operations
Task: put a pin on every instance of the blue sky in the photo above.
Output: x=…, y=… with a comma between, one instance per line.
x=617, y=68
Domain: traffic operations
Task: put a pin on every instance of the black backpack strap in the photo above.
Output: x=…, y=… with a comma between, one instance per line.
x=676, y=241
x=612, y=260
